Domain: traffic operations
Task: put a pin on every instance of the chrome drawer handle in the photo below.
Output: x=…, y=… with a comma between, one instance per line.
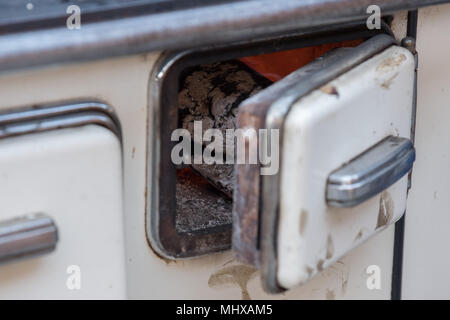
x=26, y=236
x=371, y=172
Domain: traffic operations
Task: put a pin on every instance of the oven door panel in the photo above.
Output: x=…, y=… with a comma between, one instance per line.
x=73, y=176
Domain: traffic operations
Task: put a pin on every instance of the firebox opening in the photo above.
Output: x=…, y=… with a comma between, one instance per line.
x=210, y=94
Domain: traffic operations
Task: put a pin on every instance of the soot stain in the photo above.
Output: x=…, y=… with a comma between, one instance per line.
x=320, y=265
x=238, y=275
x=330, y=247
x=329, y=89
x=303, y=221
x=386, y=211
x=359, y=235
x=330, y=295
x=390, y=63
x=386, y=84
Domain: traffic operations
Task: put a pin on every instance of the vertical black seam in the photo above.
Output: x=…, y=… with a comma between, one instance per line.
x=397, y=266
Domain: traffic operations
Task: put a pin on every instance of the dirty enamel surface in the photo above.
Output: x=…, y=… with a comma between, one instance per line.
x=324, y=130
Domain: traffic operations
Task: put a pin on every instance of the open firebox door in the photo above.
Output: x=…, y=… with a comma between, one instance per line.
x=341, y=126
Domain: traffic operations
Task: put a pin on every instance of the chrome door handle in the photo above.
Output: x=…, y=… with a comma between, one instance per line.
x=371, y=172
x=25, y=236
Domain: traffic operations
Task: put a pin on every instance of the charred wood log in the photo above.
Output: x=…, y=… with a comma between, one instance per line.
x=211, y=93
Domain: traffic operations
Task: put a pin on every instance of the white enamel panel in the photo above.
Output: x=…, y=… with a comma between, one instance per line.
x=323, y=131
x=426, y=262
x=73, y=175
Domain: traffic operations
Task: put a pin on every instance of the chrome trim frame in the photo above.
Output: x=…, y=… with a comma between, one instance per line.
x=186, y=28
x=44, y=118
x=370, y=173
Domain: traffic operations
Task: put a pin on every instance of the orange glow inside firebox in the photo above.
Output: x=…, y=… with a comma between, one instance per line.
x=275, y=66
